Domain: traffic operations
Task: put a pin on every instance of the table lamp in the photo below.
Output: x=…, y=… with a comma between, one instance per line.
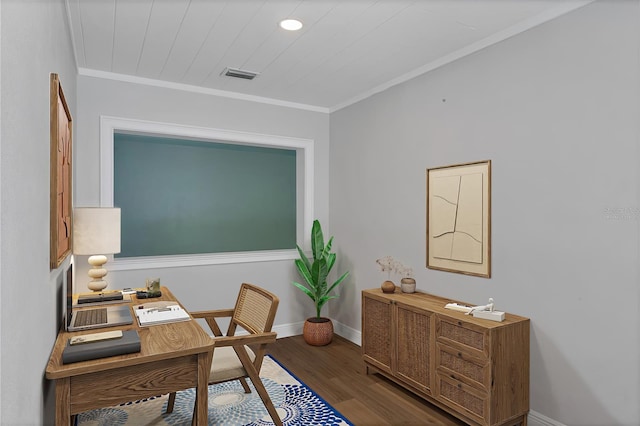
x=96, y=232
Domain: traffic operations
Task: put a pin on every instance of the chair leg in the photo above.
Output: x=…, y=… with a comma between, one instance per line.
x=245, y=386
x=266, y=400
x=195, y=410
x=257, y=383
x=171, y=402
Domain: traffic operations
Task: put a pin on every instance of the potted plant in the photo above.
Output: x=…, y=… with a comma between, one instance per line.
x=407, y=282
x=318, y=330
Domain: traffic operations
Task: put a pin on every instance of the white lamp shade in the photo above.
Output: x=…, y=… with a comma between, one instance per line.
x=96, y=230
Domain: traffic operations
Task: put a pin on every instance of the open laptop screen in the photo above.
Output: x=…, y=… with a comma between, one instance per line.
x=68, y=297
x=115, y=315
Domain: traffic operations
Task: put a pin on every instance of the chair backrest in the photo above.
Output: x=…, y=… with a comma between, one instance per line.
x=255, y=310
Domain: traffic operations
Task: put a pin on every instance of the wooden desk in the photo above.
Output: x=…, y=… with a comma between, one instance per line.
x=173, y=357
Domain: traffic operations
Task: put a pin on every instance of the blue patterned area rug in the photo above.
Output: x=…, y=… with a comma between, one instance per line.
x=296, y=404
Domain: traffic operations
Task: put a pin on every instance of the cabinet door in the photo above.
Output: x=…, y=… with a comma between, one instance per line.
x=413, y=338
x=376, y=332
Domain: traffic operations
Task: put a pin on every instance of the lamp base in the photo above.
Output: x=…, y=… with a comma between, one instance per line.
x=97, y=273
x=97, y=285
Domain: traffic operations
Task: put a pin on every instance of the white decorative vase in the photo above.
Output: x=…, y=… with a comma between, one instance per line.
x=408, y=285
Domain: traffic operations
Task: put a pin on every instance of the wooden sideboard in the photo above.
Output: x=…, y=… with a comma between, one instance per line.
x=475, y=369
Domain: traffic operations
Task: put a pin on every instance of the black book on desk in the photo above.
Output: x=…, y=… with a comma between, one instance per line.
x=128, y=343
x=100, y=297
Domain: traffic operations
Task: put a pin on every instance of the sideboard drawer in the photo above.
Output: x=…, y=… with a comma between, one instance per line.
x=459, y=365
x=473, y=402
x=463, y=335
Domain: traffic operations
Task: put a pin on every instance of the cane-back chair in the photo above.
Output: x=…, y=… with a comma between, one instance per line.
x=233, y=358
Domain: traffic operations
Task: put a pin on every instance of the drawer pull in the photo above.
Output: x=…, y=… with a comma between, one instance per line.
x=459, y=386
x=459, y=354
x=459, y=322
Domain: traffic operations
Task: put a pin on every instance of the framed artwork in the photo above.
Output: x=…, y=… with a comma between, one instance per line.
x=61, y=145
x=459, y=218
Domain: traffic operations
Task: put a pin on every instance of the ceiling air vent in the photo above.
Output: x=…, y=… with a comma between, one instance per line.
x=237, y=73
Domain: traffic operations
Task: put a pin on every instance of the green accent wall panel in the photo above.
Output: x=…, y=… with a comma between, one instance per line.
x=190, y=197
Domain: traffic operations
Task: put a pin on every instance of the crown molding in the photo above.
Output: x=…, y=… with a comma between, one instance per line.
x=468, y=50
x=87, y=72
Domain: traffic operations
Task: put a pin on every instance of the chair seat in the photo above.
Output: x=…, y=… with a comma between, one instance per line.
x=226, y=365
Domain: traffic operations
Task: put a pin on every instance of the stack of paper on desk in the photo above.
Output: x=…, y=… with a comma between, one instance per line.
x=160, y=314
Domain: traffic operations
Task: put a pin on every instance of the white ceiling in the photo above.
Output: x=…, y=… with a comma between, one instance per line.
x=346, y=51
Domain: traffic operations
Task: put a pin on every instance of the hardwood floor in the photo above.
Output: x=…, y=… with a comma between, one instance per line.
x=336, y=373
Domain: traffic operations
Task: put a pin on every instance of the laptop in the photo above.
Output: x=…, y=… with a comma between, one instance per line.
x=87, y=319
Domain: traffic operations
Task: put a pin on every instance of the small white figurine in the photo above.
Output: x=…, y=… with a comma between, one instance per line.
x=487, y=307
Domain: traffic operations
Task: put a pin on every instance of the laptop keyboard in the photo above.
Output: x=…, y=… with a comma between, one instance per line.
x=91, y=317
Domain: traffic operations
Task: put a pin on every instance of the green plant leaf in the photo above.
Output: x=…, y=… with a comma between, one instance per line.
x=338, y=281
x=317, y=240
x=331, y=259
x=327, y=248
x=319, y=276
x=306, y=273
x=304, y=258
x=305, y=290
x=320, y=303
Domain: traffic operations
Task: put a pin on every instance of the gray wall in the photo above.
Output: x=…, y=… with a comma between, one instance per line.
x=556, y=109
x=203, y=287
x=35, y=42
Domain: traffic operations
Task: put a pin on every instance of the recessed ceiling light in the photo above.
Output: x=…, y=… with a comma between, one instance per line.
x=290, y=24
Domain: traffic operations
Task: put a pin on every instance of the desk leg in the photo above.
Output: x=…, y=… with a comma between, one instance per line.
x=201, y=410
x=63, y=402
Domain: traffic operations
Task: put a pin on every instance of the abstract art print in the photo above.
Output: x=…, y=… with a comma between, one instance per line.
x=61, y=170
x=459, y=218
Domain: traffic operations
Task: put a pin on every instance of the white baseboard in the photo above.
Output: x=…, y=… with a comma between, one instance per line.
x=537, y=419
x=348, y=333
x=288, y=330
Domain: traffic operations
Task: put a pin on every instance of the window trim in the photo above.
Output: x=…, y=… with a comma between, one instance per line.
x=305, y=185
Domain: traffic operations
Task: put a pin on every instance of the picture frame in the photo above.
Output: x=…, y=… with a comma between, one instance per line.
x=459, y=218
x=61, y=172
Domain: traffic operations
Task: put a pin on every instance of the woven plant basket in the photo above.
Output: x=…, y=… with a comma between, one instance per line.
x=318, y=331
